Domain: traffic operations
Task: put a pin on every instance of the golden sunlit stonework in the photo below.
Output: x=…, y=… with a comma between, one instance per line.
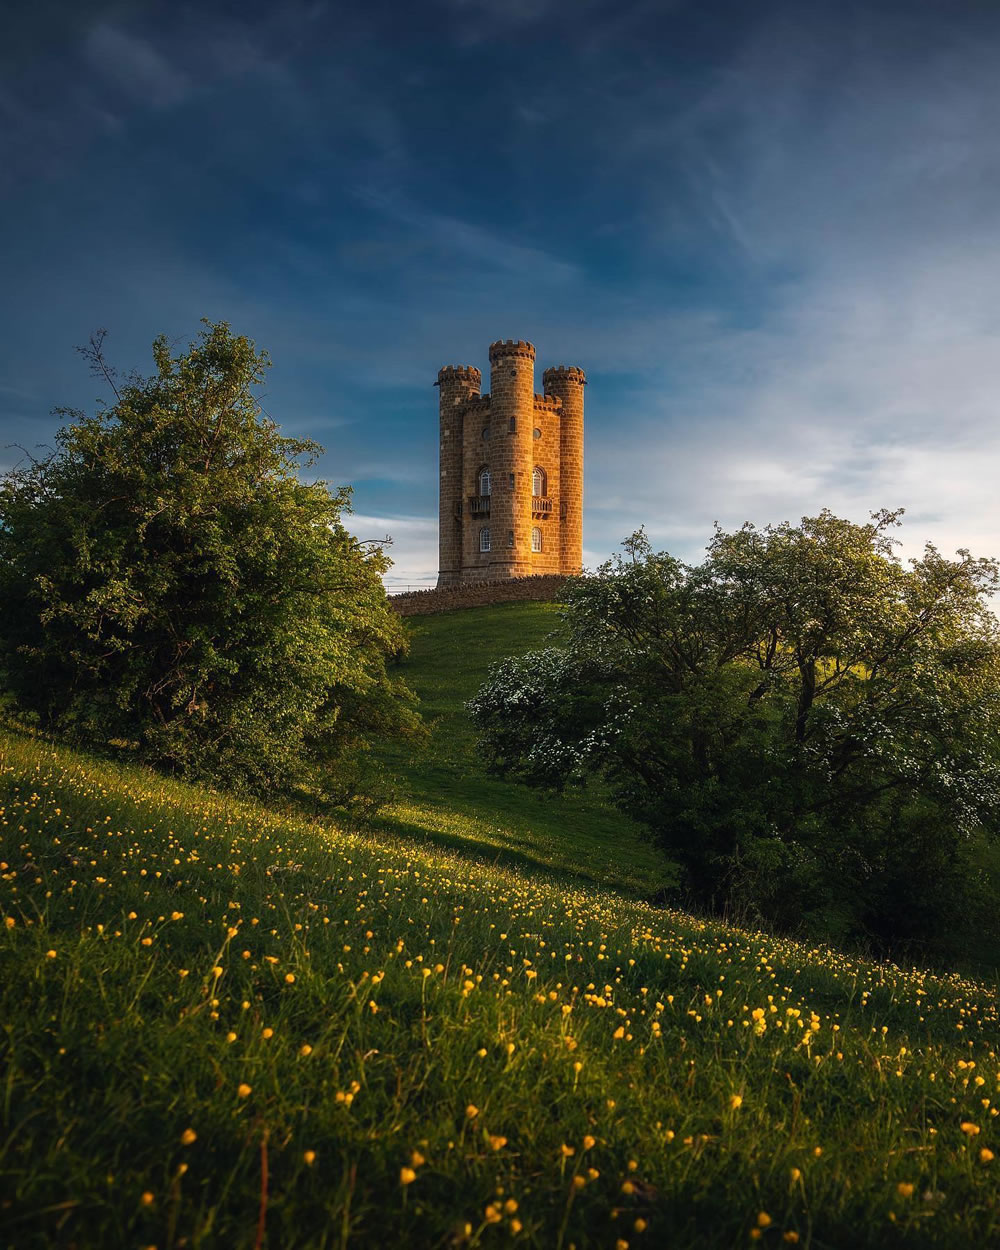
x=511, y=469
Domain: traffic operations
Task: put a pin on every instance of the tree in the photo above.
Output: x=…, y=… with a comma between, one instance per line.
x=809, y=727
x=170, y=586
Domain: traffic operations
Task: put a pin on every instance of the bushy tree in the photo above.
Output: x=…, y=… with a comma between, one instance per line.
x=811, y=728
x=170, y=585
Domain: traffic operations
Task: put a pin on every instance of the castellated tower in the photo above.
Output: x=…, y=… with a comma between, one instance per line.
x=511, y=484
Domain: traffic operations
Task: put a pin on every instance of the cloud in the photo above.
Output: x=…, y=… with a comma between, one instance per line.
x=414, y=548
x=488, y=248
x=850, y=354
x=135, y=67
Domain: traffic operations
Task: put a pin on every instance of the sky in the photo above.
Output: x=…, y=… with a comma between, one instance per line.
x=769, y=232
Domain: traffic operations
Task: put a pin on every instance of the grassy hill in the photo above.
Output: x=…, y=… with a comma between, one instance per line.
x=223, y=1026
x=449, y=798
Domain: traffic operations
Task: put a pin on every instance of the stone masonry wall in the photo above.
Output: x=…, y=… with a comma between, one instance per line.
x=533, y=589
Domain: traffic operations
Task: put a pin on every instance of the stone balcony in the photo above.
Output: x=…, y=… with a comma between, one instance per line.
x=540, y=506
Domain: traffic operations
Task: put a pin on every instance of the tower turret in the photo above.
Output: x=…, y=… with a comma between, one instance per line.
x=567, y=383
x=457, y=385
x=512, y=393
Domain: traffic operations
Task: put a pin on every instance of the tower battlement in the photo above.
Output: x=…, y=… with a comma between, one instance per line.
x=547, y=401
x=563, y=373
x=511, y=469
x=468, y=374
x=511, y=347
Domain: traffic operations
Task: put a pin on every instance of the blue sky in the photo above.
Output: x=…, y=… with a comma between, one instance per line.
x=769, y=232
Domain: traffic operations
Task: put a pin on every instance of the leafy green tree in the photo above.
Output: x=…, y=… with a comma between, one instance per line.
x=170, y=586
x=809, y=727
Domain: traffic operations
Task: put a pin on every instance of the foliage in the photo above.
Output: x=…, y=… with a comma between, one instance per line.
x=808, y=726
x=226, y=1027
x=169, y=585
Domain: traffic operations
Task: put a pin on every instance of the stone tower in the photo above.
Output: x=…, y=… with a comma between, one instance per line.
x=511, y=484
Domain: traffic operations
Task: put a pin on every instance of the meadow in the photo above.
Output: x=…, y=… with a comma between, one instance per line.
x=224, y=1025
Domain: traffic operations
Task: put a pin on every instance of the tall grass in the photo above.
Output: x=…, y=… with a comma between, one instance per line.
x=222, y=1026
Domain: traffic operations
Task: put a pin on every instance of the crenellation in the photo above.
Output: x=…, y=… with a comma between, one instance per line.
x=511, y=480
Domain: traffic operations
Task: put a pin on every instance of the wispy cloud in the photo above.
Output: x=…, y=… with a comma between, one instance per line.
x=135, y=67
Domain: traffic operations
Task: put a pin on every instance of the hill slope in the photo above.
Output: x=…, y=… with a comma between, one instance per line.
x=450, y=799
x=227, y=1027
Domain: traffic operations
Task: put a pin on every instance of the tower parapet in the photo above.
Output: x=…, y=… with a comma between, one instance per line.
x=511, y=347
x=511, y=483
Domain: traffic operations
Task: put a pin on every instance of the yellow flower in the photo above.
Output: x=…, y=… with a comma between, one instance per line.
x=566, y=1151
x=230, y=1037
x=578, y=1182
x=50, y=954
x=905, y=1189
x=969, y=1129
x=795, y=1175
x=309, y=1157
x=510, y=1206
x=243, y=1089
x=791, y=1237
x=628, y=1187
x=492, y=1213
x=763, y=1219
x=985, y=1156
x=640, y=1225
x=290, y=977
x=188, y=1136
x=305, y=1050
x=735, y=1101
x=407, y=1176
x=497, y=1143
x=516, y=1226
x=147, y=1199
x=417, y=1160
x=472, y=1111
x=589, y=1142
x=10, y=922
x=619, y=1033
x=176, y=915
x=267, y=1033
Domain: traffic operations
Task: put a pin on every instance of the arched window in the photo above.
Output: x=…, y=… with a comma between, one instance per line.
x=536, y=538
x=484, y=481
x=538, y=486
x=484, y=539
x=510, y=538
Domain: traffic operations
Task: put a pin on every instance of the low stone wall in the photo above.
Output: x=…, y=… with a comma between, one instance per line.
x=544, y=588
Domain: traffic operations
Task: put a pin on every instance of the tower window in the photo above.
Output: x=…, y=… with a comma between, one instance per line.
x=538, y=483
x=513, y=425
x=512, y=481
x=537, y=432
x=486, y=431
x=484, y=539
x=510, y=538
x=484, y=482
x=536, y=538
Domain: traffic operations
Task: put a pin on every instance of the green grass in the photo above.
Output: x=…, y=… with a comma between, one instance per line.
x=447, y=795
x=507, y=1037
